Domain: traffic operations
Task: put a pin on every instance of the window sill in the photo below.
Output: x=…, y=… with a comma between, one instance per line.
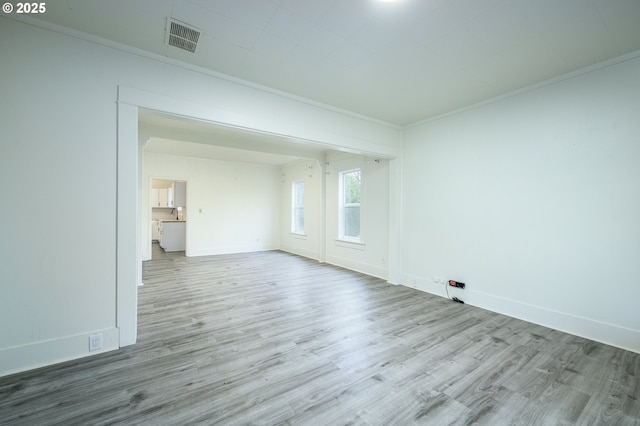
x=298, y=235
x=357, y=245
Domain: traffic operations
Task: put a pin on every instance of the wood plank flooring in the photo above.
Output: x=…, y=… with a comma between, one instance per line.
x=272, y=339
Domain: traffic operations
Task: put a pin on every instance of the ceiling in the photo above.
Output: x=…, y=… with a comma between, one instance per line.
x=399, y=62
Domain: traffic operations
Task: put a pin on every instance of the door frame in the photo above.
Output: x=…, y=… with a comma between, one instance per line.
x=130, y=146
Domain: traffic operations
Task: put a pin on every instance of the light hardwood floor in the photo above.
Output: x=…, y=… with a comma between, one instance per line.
x=271, y=338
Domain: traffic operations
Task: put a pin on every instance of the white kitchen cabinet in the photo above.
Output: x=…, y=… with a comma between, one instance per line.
x=172, y=235
x=180, y=194
x=155, y=197
x=162, y=197
x=166, y=197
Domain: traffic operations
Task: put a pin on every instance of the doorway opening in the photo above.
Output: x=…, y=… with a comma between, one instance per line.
x=131, y=138
x=168, y=213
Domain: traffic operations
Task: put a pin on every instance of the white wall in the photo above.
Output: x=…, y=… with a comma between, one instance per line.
x=371, y=257
x=309, y=244
x=534, y=202
x=58, y=156
x=541, y=219
x=231, y=207
x=57, y=168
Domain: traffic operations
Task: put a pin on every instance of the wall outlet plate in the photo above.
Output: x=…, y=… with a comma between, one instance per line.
x=95, y=342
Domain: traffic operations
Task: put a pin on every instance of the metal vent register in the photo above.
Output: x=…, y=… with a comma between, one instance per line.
x=182, y=36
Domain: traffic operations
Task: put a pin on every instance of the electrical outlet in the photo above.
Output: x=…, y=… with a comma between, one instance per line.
x=457, y=284
x=95, y=342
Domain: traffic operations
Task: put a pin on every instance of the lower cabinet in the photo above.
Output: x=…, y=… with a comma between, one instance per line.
x=172, y=235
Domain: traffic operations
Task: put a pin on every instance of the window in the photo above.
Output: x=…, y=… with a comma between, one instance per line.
x=350, y=185
x=297, y=215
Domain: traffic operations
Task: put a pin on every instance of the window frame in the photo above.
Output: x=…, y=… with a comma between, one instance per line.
x=343, y=205
x=295, y=208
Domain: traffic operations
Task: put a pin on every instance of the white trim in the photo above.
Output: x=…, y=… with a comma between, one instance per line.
x=232, y=250
x=40, y=354
x=170, y=61
x=206, y=113
x=558, y=79
x=295, y=207
x=187, y=66
x=128, y=233
x=310, y=254
x=128, y=229
x=342, y=206
x=610, y=334
x=395, y=221
x=352, y=244
x=322, y=213
x=357, y=266
x=428, y=286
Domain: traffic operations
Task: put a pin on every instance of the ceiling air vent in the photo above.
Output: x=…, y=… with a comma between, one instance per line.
x=182, y=36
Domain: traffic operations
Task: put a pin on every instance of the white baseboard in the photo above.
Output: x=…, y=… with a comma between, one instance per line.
x=356, y=266
x=421, y=284
x=229, y=250
x=310, y=254
x=610, y=334
x=40, y=354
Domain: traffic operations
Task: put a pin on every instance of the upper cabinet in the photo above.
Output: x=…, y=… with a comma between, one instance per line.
x=180, y=194
x=165, y=193
x=155, y=197
x=162, y=197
